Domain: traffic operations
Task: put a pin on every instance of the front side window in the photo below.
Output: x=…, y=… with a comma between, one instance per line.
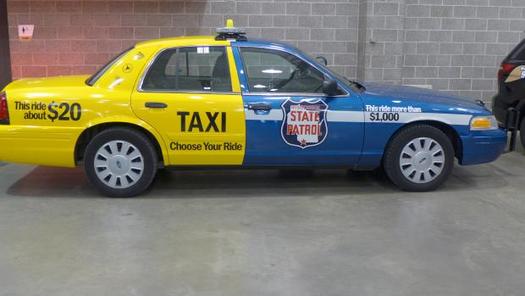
x=202, y=69
x=276, y=71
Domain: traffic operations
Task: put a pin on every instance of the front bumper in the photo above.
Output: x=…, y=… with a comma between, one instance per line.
x=483, y=146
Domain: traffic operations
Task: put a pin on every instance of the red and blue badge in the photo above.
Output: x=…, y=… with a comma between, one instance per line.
x=304, y=123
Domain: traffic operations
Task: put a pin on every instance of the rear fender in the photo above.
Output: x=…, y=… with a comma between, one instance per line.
x=107, y=122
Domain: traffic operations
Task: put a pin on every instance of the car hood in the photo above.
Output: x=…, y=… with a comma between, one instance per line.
x=433, y=99
x=48, y=82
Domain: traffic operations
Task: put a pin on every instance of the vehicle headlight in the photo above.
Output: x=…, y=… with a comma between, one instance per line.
x=483, y=123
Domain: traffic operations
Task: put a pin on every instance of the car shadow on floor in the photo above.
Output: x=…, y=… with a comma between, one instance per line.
x=58, y=182
x=72, y=183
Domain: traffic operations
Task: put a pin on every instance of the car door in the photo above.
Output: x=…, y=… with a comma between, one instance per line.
x=289, y=120
x=188, y=96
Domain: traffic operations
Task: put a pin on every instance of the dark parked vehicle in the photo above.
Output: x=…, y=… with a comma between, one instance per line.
x=509, y=104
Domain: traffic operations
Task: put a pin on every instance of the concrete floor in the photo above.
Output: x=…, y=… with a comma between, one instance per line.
x=258, y=233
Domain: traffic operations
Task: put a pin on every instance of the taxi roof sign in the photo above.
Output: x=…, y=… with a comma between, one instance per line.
x=231, y=32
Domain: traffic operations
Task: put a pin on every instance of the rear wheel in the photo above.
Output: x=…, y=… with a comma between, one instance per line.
x=120, y=162
x=419, y=158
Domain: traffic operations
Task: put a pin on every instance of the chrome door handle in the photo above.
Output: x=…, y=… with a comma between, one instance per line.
x=259, y=107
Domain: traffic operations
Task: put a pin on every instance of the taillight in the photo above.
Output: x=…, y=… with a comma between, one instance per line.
x=4, y=112
x=505, y=70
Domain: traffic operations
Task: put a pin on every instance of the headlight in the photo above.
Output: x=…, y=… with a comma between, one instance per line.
x=483, y=123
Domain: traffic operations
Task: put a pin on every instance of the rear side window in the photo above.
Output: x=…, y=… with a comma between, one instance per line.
x=518, y=53
x=202, y=69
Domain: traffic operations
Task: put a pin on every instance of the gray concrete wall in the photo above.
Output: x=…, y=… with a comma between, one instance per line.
x=328, y=28
x=452, y=45
x=76, y=37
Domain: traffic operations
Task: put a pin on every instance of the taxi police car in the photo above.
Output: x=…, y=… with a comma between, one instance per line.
x=231, y=101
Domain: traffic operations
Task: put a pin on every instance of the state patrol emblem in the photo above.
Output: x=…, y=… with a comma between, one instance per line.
x=304, y=123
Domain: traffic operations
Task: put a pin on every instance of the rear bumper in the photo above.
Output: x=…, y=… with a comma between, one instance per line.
x=483, y=147
x=50, y=146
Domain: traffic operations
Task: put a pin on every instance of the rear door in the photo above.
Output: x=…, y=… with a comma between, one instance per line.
x=289, y=120
x=189, y=95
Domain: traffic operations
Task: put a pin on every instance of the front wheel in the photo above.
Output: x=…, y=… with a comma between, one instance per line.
x=419, y=158
x=120, y=162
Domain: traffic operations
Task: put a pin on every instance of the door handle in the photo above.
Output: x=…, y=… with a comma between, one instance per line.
x=155, y=105
x=259, y=107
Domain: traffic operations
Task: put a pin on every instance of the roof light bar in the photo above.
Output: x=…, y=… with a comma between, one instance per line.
x=230, y=32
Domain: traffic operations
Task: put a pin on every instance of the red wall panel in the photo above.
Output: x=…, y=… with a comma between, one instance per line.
x=77, y=37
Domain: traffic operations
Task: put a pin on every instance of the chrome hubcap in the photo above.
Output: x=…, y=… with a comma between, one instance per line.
x=422, y=160
x=119, y=164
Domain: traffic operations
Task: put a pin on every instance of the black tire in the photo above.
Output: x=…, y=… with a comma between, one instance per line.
x=393, y=157
x=146, y=150
x=522, y=132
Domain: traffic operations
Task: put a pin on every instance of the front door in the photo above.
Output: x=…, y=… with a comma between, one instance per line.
x=289, y=120
x=188, y=97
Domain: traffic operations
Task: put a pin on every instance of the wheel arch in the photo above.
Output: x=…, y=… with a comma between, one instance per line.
x=448, y=130
x=94, y=129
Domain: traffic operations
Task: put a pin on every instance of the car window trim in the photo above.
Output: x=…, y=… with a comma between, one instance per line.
x=154, y=58
x=190, y=92
x=248, y=92
x=288, y=94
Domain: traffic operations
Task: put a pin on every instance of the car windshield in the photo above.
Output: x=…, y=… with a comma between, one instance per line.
x=93, y=79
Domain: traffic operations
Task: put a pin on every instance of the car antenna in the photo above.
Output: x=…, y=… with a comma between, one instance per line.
x=230, y=32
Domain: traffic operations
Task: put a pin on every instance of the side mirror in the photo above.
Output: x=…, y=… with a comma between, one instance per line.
x=322, y=60
x=330, y=88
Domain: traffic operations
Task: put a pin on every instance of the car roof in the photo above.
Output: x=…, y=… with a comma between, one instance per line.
x=185, y=39
x=263, y=42
x=210, y=40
